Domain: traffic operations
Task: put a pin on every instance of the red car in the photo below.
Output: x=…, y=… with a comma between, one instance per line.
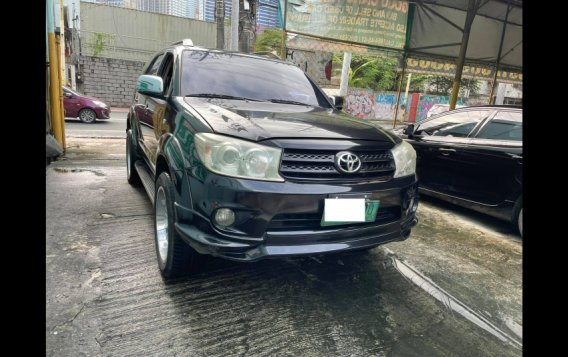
x=88, y=109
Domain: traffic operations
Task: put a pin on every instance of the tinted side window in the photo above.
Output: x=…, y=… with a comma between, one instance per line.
x=504, y=126
x=458, y=124
x=167, y=71
x=153, y=69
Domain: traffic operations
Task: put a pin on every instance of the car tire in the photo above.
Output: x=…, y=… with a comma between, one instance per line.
x=517, y=219
x=131, y=157
x=175, y=257
x=87, y=116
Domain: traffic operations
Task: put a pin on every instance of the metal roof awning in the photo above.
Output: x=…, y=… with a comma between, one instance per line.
x=495, y=36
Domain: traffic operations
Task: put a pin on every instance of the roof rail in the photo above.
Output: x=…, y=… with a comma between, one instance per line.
x=185, y=42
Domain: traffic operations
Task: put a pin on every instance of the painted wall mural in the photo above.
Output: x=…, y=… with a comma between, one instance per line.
x=366, y=104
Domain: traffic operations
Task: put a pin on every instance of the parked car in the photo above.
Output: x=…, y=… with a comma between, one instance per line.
x=88, y=109
x=244, y=157
x=473, y=157
x=440, y=108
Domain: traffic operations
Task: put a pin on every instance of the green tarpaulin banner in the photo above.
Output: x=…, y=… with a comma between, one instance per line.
x=368, y=22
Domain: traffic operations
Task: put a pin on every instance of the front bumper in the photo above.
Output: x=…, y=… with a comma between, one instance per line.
x=282, y=219
x=103, y=113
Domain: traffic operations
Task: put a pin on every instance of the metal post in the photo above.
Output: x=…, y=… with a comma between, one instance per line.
x=405, y=100
x=471, y=10
x=61, y=105
x=498, y=62
x=399, y=90
x=54, y=84
x=235, y=25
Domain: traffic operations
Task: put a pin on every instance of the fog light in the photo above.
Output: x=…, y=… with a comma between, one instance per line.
x=414, y=205
x=224, y=217
x=410, y=206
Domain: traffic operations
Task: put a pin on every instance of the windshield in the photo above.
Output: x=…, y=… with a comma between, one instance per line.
x=228, y=75
x=72, y=91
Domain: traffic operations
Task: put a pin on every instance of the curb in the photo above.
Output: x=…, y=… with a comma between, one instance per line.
x=119, y=110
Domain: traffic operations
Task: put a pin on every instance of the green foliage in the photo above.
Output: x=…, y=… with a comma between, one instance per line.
x=442, y=85
x=419, y=81
x=377, y=73
x=269, y=40
x=99, y=41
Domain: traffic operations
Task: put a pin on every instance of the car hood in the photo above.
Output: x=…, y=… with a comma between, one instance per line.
x=258, y=121
x=86, y=98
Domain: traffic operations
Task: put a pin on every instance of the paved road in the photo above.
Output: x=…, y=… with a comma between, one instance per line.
x=454, y=288
x=115, y=127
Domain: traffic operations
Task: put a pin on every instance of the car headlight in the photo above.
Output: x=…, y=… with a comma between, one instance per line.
x=238, y=158
x=99, y=103
x=404, y=159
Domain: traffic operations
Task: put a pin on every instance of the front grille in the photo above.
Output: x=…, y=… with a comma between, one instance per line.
x=319, y=165
x=312, y=221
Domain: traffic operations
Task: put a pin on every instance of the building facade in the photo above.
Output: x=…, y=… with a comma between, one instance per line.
x=267, y=14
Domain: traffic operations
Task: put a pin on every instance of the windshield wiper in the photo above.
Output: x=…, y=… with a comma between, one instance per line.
x=220, y=96
x=284, y=101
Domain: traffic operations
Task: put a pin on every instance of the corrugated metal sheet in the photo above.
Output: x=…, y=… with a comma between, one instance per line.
x=114, y=32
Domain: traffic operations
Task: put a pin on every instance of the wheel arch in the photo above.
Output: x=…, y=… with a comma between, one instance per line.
x=90, y=108
x=170, y=159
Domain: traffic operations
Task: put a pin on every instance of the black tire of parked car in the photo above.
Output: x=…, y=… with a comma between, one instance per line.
x=181, y=259
x=87, y=116
x=517, y=220
x=131, y=157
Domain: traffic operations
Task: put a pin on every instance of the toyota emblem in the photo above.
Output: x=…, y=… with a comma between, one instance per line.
x=347, y=162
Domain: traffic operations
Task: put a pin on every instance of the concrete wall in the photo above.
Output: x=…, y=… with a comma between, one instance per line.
x=111, y=80
x=115, y=32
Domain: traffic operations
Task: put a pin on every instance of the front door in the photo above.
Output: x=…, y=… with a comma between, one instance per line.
x=71, y=104
x=441, y=149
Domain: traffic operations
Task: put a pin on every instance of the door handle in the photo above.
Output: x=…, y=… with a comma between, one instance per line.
x=446, y=151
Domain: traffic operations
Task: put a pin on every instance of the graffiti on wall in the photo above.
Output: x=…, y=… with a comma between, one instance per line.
x=360, y=103
x=384, y=105
x=366, y=104
x=427, y=101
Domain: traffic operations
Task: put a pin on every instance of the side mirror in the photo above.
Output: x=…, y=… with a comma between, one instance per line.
x=68, y=95
x=409, y=130
x=337, y=101
x=150, y=85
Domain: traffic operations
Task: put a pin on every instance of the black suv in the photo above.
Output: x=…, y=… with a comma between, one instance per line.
x=244, y=157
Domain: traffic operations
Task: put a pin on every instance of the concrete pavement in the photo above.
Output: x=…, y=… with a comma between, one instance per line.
x=453, y=288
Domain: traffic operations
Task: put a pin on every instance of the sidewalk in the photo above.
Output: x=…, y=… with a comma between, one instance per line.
x=119, y=110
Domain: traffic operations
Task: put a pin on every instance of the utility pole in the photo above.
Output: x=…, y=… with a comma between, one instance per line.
x=235, y=25
x=220, y=19
x=247, y=25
